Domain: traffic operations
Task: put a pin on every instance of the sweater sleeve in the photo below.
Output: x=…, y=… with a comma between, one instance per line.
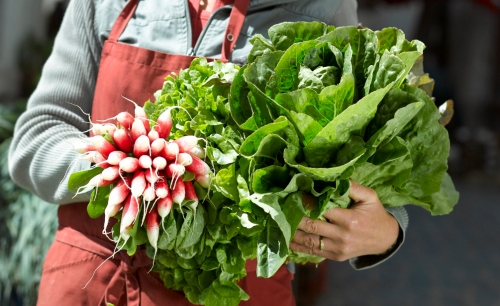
x=41, y=154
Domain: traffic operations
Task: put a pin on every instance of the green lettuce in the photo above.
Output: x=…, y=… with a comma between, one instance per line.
x=314, y=107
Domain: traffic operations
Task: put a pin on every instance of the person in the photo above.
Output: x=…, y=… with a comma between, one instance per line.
x=107, y=49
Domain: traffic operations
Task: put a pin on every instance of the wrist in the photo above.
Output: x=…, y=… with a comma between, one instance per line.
x=392, y=237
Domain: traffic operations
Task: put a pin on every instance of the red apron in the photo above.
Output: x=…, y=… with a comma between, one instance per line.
x=79, y=251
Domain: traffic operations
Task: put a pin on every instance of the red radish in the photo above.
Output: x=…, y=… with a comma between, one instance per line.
x=96, y=181
x=141, y=115
x=151, y=177
x=117, y=196
x=153, y=135
x=184, y=159
x=145, y=121
x=178, y=192
x=110, y=211
x=90, y=156
x=83, y=147
x=159, y=163
x=110, y=173
x=198, y=167
x=145, y=162
x=115, y=157
x=125, y=235
x=186, y=143
x=130, y=212
x=164, y=206
x=129, y=164
x=104, y=129
x=148, y=196
x=123, y=140
x=99, y=181
x=157, y=147
x=138, y=184
x=138, y=129
x=139, y=111
x=204, y=180
x=96, y=158
x=141, y=146
x=100, y=161
x=174, y=171
x=102, y=145
x=149, y=193
x=125, y=119
x=164, y=124
x=170, y=151
x=120, y=192
x=191, y=194
x=153, y=228
x=198, y=152
x=96, y=129
x=161, y=189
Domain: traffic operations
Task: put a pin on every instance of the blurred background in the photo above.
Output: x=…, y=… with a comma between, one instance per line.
x=446, y=260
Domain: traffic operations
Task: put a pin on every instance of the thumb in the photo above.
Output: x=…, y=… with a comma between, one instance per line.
x=361, y=194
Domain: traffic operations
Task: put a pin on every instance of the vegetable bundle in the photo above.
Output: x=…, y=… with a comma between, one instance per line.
x=314, y=107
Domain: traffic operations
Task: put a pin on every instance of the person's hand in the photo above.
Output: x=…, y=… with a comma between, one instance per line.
x=363, y=229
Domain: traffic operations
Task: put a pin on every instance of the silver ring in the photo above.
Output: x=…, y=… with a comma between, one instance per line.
x=230, y=37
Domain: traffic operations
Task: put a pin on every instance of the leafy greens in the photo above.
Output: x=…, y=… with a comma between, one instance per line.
x=314, y=107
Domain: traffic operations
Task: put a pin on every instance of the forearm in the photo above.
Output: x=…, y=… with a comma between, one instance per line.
x=41, y=151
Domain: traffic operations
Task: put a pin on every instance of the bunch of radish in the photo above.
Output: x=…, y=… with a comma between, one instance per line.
x=146, y=168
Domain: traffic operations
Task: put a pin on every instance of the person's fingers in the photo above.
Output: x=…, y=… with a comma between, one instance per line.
x=361, y=194
x=297, y=247
x=337, y=215
x=311, y=244
x=317, y=227
x=309, y=241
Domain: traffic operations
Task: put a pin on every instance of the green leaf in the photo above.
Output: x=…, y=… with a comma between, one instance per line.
x=352, y=121
x=294, y=211
x=270, y=179
x=392, y=127
x=287, y=69
x=225, y=182
x=168, y=234
x=342, y=37
x=82, y=178
x=390, y=39
x=260, y=46
x=223, y=294
x=269, y=203
x=241, y=110
x=334, y=99
x=191, y=229
x=99, y=201
x=283, y=35
x=255, y=143
x=272, y=250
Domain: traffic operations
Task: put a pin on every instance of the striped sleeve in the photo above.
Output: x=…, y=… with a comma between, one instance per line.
x=41, y=152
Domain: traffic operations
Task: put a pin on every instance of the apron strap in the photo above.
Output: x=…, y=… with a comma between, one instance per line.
x=234, y=26
x=231, y=35
x=122, y=20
